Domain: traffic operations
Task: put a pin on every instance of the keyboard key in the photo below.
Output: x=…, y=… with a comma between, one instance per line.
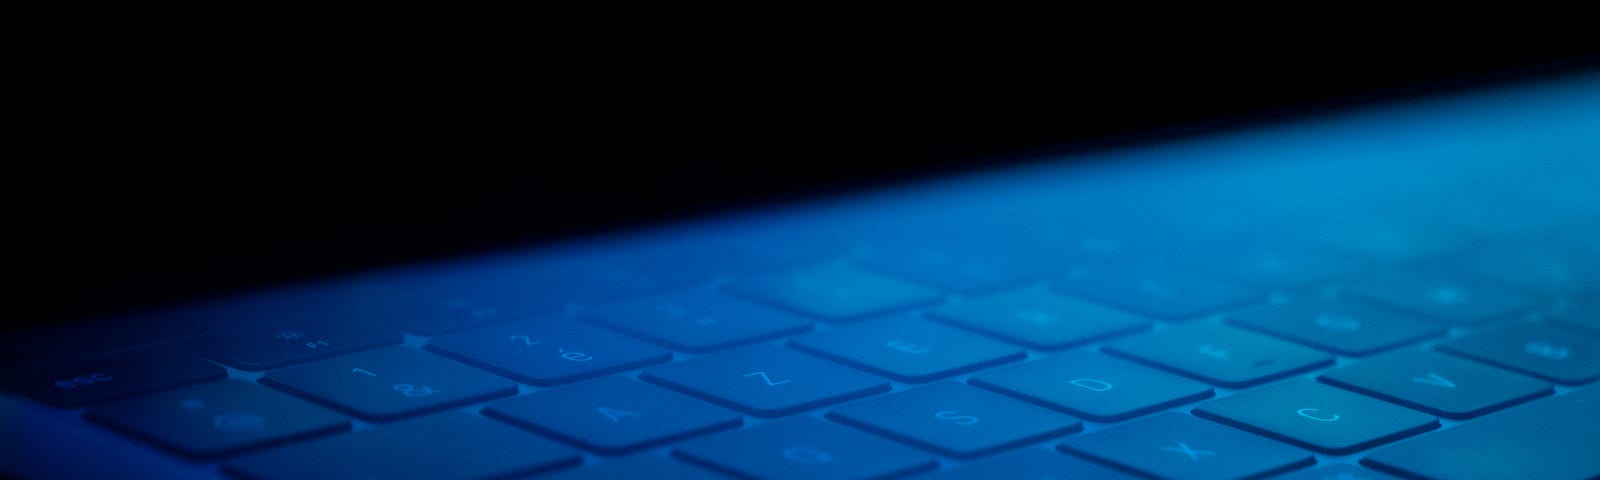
x=833, y=292
x=698, y=320
x=1039, y=318
x=1441, y=295
x=1340, y=326
x=547, y=352
x=613, y=414
x=804, y=448
x=97, y=379
x=1271, y=265
x=908, y=349
x=1317, y=416
x=218, y=418
x=1436, y=383
x=1178, y=446
x=1541, y=350
x=451, y=445
x=1384, y=239
x=1582, y=313
x=1155, y=290
x=1034, y=464
x=1541, y=267
x=1218, y=354
x=638, y=466
x=442, y=307
x=389, y=383
x=1338, y=472
x=970, y=267
x=955, y=419
x=765, y=380
x=1552, y=438
x=1093, y=386
x=296, y=342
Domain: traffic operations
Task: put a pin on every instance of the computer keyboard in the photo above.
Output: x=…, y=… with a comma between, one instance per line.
x=1259, y=304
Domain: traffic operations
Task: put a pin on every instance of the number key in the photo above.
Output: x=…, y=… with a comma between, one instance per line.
x=547, y=351
x=389, y=383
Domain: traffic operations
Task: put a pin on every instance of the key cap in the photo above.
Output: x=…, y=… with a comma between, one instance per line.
x=833, y=292
x=613, y=414
x=1317, y=416
x=1552, y=438
x=1340, y=326
x=955, y=419
x=1441, y=295
x=955, y=266
x=1384, y=239
x=296, y=342
x=547, y=351
x=697, y=320
x=1537, y=349
x=441, y=307
x=1219, y=355
x=1154, y=290
x=765, y=380
x=1034, y=464
x=1093, y=386
x=638, y=466
x=97, y=379
x=1436, y=383
x=389, y=383
x=1338, y=472
x=1271, y=265
x=218, y=418
x=804, y=448
x=1178, y=446
x=907, y=349
x=1541, y=267
x=1038, y=318
x=450, y=445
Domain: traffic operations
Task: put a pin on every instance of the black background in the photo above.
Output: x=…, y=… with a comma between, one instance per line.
x=148, y=173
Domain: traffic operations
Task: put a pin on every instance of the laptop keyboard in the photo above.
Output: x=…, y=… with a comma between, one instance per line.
x=1219, y=330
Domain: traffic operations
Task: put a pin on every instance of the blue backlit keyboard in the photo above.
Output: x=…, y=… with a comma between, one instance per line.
x=1411, y=291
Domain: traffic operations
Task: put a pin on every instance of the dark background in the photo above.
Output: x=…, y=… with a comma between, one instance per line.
x=147, y=175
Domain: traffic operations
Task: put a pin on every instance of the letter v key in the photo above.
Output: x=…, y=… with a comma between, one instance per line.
x=1435, y=380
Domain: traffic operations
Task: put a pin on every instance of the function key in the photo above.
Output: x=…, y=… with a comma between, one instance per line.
x=1271, y=265
x=1541, y=350
x=443, y=307
x=1437, y=383
x=1093, y=386
x=286, y=344
x=908, y=349
x=1438, y=294
x=218, y=418
x=1034, y=464
x=1317, y=416
x=956, y=419
x=547, y=351
x=697, y=320
x=1219, y=355
x=91, y=380
x=1174, y=445
x=1340, y=326
x=1550, y=438
x=451, y=445
x=613, y=414
x=1039, y=318
x=765, y=380
x=804, y=447
x=1154, y=289
x=833, y=292
x=389, y=383
x=965, y=267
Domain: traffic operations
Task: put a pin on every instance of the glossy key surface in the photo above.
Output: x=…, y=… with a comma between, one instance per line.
x=697, y=320
x=1437, y=383
x=955, y=419
x=1178, y=446
x=1038, y=318
x=1093, y=385
x=613, y=414
x=548, y=351
x=218, y=418
x=908, y=349
x=96, y=379
x=1441, y=294
x=833, y=291
x=1555, y=353
x=1219, y=354
x=1337, y=325
x=1551, y=438
x=804, y=448
x=765, y=380
x=450, y=445
x=389, y=383
x=1317, y=416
